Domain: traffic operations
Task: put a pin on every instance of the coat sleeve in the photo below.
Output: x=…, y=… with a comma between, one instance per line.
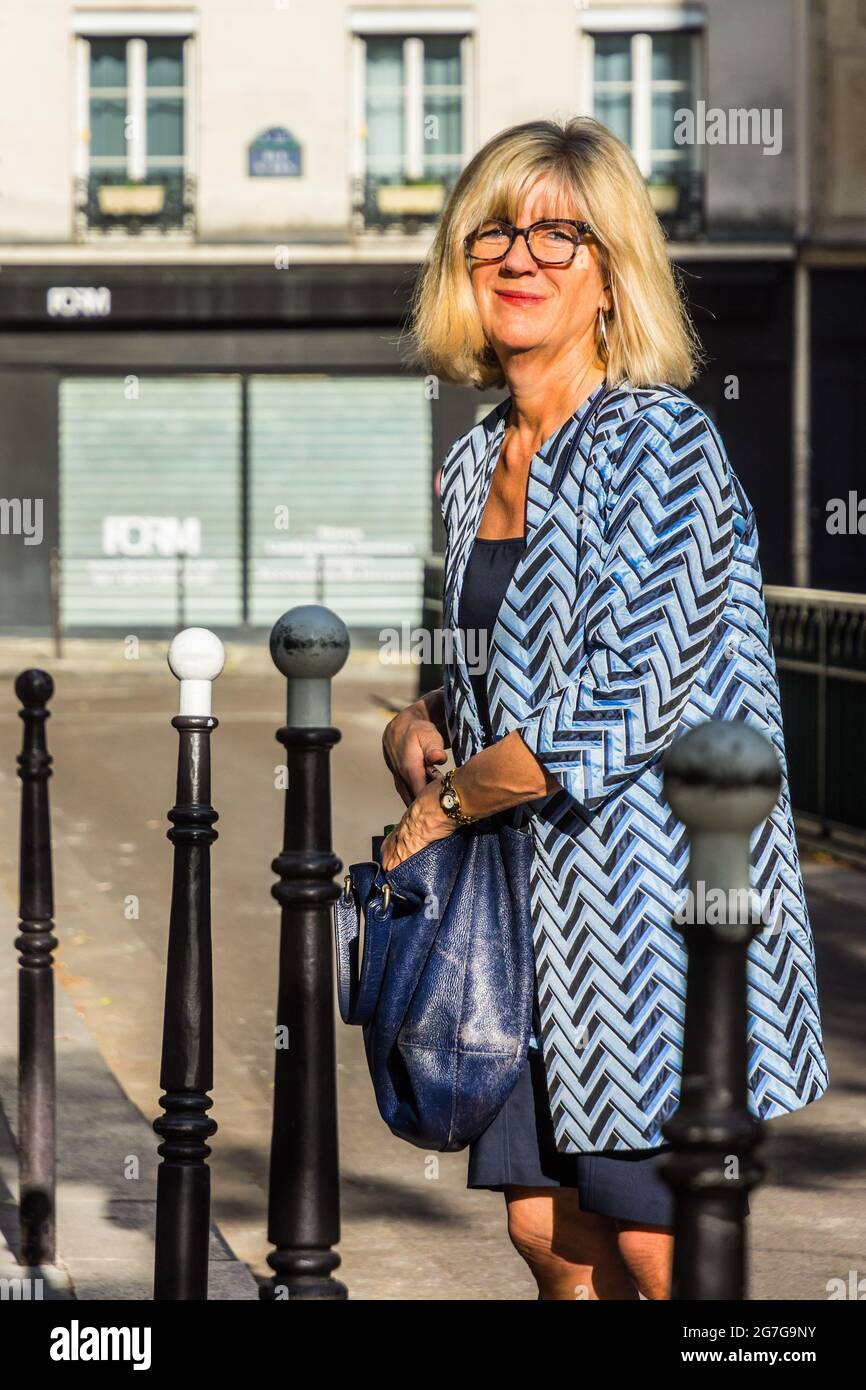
x=666, y=557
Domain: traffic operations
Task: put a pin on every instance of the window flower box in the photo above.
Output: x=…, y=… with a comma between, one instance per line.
x=410, y=199
x=664, y=197
x=131, y=199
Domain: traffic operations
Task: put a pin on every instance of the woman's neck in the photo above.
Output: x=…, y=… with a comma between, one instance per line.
x=543, y=400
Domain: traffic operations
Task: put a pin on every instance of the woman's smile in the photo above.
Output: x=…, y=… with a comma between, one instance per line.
x=520, y=297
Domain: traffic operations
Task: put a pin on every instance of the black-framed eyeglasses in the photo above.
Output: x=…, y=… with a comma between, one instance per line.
x=549, y=242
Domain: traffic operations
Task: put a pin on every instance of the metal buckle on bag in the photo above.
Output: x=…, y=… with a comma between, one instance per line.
x=347, y=892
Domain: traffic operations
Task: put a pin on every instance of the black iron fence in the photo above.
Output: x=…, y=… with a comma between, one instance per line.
x=819, y=639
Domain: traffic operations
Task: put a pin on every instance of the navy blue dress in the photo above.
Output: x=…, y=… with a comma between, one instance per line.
x=518, y=1146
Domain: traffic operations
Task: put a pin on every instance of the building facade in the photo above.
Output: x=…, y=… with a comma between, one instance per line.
x=211, y=218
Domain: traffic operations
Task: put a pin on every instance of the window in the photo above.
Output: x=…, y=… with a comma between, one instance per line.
x=638, y=82
x=412, y=115
x=164, y=98
x=134, y=171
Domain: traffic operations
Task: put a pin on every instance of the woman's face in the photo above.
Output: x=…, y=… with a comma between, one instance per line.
x=524, y=305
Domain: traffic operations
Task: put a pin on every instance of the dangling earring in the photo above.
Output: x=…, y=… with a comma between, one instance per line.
x=602, y=330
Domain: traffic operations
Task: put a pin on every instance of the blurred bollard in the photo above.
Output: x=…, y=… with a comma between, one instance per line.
x=196, y=657
x=55, y=581
x=309, y=645
x=430, y=674
x=722, y=779
x=181, y=575
x=36, y=1070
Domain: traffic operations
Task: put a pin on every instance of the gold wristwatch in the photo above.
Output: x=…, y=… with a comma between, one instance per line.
x=449, y=800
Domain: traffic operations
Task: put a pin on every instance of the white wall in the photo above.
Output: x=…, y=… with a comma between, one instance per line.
x=261, y=63
x=262, y=66
x=750, y=62
x=36, y=120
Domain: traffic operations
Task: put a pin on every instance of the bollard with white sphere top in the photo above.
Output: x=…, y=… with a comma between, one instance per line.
x=196, y=657
x=309, y=644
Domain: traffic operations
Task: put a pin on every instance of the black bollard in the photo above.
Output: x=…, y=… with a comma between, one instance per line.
x=196, y=657
x=36, y=1072
x=721, y=779
x=309, y=644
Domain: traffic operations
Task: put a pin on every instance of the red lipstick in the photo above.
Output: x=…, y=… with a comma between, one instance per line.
x=520, y=296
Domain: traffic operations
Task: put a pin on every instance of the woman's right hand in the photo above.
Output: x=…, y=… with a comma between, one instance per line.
x=412, y=746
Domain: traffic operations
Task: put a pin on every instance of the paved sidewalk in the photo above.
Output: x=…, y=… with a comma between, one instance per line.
x=107, y=1163
x=49, y=1283
x=809, y=1222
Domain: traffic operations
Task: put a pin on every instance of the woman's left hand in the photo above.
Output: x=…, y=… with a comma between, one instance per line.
x=423, y=822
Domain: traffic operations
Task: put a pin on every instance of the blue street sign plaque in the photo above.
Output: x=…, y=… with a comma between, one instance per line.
x=274, y=154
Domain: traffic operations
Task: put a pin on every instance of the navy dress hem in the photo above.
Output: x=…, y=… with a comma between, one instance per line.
x=519, y=1149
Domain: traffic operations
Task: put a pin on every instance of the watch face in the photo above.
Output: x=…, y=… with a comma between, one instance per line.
x=449, y=801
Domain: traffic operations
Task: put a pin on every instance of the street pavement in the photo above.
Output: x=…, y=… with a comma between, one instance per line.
x=410, y=1228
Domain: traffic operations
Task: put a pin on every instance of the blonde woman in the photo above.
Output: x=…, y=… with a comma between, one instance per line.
x=602, y=556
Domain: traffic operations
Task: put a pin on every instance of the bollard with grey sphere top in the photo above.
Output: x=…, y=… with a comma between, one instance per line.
x=196, y=657
x=722, y=779
x=309, y=645
x=36, y=1071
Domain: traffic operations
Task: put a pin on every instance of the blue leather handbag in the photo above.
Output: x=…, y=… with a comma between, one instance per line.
x=446, y=985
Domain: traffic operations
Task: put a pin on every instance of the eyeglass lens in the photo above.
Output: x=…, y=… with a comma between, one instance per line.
x=548, y=241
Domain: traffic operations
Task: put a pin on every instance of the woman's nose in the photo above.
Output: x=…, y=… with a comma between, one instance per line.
x=518, y=257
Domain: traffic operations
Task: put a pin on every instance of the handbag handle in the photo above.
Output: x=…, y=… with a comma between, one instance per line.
x=568, y=458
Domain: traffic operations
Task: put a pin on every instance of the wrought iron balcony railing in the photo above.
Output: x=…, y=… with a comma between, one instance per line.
x=108, y=202
x=383, y=202
x=679, y=203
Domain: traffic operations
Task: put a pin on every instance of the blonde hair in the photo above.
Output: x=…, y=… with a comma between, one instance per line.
x=590, y=174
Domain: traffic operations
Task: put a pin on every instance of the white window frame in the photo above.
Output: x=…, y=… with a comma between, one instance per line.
x=412, y=36
x=640, y=22
x=136, y=34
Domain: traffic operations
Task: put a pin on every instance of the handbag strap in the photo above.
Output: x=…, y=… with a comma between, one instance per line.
x=567, y=458
x=358, y=990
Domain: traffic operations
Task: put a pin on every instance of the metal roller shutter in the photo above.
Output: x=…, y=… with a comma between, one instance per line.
x=150, y=469
x=339, y=497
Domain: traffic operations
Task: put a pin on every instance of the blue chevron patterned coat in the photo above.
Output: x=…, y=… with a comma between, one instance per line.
x=635, y=612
